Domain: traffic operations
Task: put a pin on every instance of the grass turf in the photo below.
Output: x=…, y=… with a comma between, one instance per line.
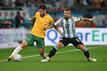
x=66, y=59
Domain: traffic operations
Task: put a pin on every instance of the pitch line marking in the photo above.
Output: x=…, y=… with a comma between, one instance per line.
x=60, y=52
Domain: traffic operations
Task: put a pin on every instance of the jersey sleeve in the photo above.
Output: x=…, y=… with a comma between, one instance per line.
x=76, y=19
x=51, y=21
x=58, y=22
x=36, y=14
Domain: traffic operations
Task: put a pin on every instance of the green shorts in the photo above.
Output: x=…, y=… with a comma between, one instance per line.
x=32, y=38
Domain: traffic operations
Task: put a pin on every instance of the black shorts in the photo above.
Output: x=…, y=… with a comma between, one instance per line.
x=75, y=41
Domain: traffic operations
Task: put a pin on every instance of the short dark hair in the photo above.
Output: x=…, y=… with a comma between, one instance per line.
x=43, y=7
x=67, y=9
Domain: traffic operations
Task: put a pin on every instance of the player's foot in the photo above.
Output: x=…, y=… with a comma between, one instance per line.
x=47, y=59
x=9, y=58
x=92, y=59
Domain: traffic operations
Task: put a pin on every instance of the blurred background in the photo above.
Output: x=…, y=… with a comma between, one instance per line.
x=15, y=13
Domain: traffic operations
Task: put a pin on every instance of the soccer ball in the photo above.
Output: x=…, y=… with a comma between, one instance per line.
x=17, y=57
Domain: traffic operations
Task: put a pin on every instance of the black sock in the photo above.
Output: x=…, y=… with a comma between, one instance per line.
x=52, y=53
x=86, y=53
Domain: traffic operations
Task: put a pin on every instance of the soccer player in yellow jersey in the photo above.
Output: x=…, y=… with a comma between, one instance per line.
x=43, y=21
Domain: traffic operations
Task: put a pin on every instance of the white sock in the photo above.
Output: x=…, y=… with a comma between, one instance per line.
x=85, y=49
x=17, y=50
x=45, y=55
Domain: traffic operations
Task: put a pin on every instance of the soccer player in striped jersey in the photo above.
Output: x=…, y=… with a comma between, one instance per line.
x=69, y=36
x=43, y=21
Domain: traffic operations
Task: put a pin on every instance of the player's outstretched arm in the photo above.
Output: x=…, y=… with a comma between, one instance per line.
x=32, y=18
x=58, y=30
x=90, y=19
x=55, y=25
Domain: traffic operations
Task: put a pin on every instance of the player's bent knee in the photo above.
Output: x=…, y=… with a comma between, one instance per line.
x=41, y=49
x=24, y=44
x=81, y=46
x=60, y=45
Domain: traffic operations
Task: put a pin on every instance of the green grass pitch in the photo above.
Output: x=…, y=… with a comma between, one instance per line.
x=66, y=59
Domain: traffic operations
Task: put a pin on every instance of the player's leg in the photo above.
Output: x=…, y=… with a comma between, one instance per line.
x=18, y=49
x=40, y=45
x=23, y=44
x=54, y=50
x=61, y=44
x=77, y=43
x=42, y=52
x=86, y=52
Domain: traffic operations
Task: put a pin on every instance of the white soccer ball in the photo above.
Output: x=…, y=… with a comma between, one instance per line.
x=17, y=57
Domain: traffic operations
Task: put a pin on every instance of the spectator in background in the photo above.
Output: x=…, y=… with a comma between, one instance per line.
x=19, y=3
x=105, y=21
x=104, y=4
x=79, y=3
x=58, y=4
x=1, y=19
x=32, y=9
x=19, y=20
x=6, y=22
x=1, y=3
x=27, y=23
x=88, y=2
x=11, y=18
x=96, y=3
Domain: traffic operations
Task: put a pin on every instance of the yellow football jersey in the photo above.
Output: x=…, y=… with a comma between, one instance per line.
x=41, y=25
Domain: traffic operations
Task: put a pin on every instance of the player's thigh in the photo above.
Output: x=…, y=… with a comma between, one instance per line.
x=63, y=42
x=76, y=42
x=81, y=46
x=24, y=44
x=40, y=42
x=60, y=45
x=30, y=39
